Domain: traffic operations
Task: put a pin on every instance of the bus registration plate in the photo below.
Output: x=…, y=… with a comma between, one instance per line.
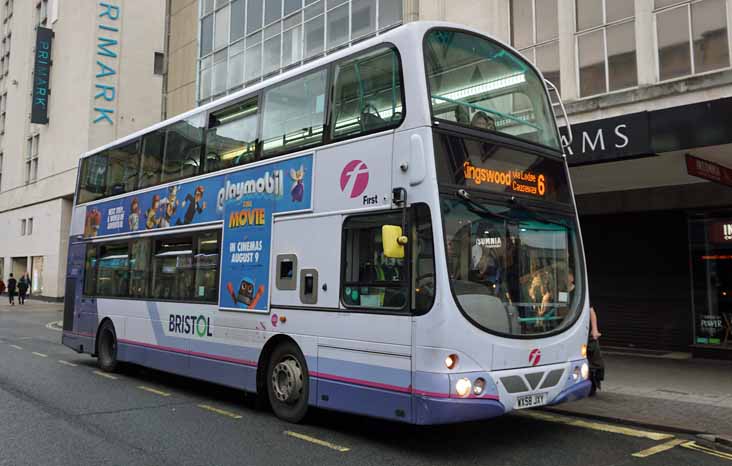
x=529, y=401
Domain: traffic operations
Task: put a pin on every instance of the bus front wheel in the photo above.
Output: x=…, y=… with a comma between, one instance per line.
x=107, y=349
x=287, y=382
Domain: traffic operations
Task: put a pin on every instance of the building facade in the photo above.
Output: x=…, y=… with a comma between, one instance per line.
x=73, y=76
x=648, y=90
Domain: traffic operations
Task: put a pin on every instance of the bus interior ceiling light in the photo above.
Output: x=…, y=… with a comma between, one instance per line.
x=494, y=85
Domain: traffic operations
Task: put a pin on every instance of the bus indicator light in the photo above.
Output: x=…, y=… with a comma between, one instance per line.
x=451, y=361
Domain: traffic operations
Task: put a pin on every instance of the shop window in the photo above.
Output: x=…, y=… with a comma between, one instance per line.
x=172, y=268
x=37, y=275
x=294, y=114
x=123, y=164
x=232, y=136
x=113, y=270
x=370, y=279
x=368, y=94
x=140, y=250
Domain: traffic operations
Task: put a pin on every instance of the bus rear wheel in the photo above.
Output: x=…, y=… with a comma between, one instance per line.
x=107, y=347
x=287, y=383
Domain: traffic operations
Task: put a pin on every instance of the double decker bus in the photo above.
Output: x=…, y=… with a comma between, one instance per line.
x=389, y=230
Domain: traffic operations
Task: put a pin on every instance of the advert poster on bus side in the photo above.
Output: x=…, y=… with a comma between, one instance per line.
x=202, y=201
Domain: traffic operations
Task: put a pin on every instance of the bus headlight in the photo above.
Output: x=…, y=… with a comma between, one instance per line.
x=576, y=374
x=585, y=371
x=462, y=387
x=478, y=386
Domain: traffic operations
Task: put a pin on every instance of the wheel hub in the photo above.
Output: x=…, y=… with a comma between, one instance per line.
x=287, y=381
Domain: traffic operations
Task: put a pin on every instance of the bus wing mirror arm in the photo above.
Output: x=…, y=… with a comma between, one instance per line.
x=570, y=135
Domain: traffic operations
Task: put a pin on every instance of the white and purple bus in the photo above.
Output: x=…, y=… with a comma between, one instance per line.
x=389, y=230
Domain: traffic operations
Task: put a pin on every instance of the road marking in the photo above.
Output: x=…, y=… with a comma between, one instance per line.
x=220, y=411
x=102, y=374
x=659, y=448
x=16, y=347
x=152, y=390
x=316, y=441
x=55, y=326
x=40, y=354
x=597, y=426
x=719, y=454
x=67, y=363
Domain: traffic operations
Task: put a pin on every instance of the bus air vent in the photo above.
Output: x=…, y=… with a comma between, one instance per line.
x=552, y=378
x=514, y=384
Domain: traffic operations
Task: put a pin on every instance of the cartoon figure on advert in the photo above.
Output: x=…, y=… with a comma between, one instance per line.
x=92, y=222
x=152, y=220
x=245, y=294
x=134, y=219
x=169, y=205
x=195, y=206
x=298, y=189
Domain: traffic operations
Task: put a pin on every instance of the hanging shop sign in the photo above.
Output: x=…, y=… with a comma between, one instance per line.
x=41, y=73
x=708, y=170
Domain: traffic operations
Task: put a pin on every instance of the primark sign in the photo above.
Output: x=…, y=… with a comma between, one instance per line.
x=609, y=139
x=41, y=74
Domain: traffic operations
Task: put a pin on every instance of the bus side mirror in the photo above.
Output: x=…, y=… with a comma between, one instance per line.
x=393, y=241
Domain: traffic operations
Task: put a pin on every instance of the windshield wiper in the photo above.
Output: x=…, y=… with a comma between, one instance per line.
x=537, y=215
x=477, y=208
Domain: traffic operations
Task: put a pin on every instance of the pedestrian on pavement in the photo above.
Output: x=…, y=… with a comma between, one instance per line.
x=594, y=355
x=12, y=282
x=22, y=288
x=2, y=286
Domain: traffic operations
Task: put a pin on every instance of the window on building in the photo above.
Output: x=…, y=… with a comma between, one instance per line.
x=535, y=33
x=159, y=63
x=368, y=94
x=231, y=138
x=294, y=113
x=370, y=279
x=23, y=225
x=270, y=36
x=1, y=171
x=3, y=109
x=606, y=46
x=29, y=230
x=42, y=12
x=31, y=160
x=692, y=37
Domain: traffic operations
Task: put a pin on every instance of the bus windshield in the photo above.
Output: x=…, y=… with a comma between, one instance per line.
x=476, y=82
x=512, y=270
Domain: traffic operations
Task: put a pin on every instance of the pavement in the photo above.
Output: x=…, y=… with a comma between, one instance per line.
x=671, y=393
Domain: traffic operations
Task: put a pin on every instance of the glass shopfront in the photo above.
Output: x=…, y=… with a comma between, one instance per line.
x=711, y=263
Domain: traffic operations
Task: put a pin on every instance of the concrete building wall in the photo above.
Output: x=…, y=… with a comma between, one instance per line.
x=126, y=87
x=181, y=56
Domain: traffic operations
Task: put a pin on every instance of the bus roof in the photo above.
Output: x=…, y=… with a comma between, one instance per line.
x=416, y=29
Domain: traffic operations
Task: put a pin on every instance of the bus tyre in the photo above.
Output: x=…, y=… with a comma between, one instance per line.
x=287, y=382
x=107, y=349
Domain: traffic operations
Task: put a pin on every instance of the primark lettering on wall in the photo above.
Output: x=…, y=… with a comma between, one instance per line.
x=107, y=59
x=41, y=73
x=609, y=139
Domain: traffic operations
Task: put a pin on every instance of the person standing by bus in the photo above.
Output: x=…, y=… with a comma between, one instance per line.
x=11, y=289
x=22, y=288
